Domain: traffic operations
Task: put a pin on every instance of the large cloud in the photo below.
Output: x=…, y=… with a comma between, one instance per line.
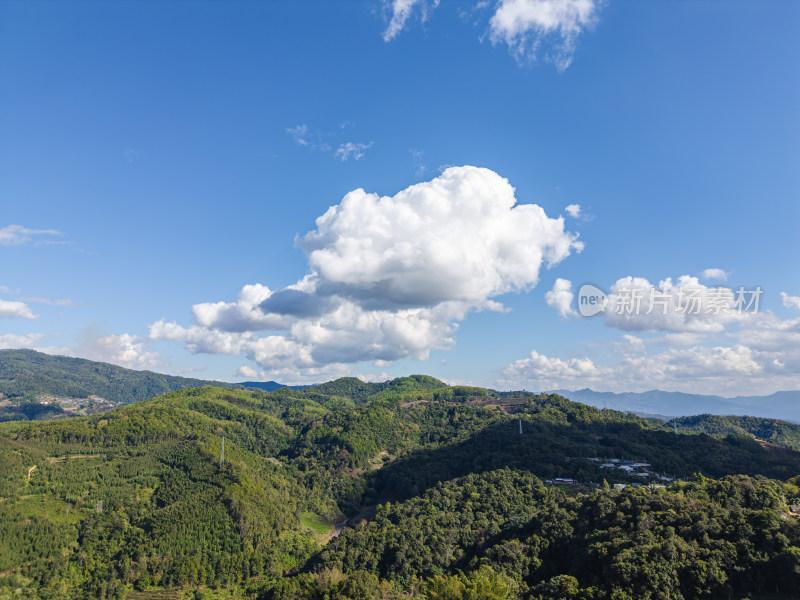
x=390, y=277
x=458, y=237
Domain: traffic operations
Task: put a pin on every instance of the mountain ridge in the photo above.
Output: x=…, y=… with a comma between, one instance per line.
x=784, y=405
x=27, y=374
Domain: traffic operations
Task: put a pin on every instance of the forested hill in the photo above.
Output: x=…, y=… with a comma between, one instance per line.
x=773, y=431
x=445, y=499
x=361, y=391
x=27, y=375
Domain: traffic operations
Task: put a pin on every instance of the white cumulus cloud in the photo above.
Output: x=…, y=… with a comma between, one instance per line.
x=685, y=305
x=125, y=350
x=531, y=27
x=248, y=371
x=390, y=277
x=699, y=369
x=14, y=308
x=243, y=315
x=461, y=236
x=751, y=353
x=544, y=372
x=560, y=297
x=15, y=341
x=790, y=301
x=715, y=274
x=573, y=210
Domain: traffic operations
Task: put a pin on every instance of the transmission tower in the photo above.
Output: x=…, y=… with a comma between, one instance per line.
x=222, y=453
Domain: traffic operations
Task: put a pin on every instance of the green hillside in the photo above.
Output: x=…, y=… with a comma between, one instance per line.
x=25, y=375
x=774, y=431
x=445, y=499
x=418, y=386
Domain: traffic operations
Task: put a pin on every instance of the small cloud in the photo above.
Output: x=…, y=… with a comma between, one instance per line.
x=790, y=301
x=7, y=290
x=351, y=150
x=17, y=235
x=373, y=377
x=471, y=14
x=560, y=297
x=401, y=11
x=315, y=140
x=13, y=341
x=531, y=27
x=247, y=371
x=715, y=274
x=300, y=134
x=12, y=308
x=573, y=210
x=130, y=155
x=48, y=301
x=125, y=350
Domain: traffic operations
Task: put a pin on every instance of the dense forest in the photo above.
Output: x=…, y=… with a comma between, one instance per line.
x=774, y=431
x=405, y=489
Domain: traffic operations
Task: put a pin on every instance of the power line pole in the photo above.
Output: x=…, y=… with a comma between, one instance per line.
x=222, y=454
x=520, y=426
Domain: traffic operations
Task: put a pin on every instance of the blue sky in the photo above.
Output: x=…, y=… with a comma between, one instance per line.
x=156, y=158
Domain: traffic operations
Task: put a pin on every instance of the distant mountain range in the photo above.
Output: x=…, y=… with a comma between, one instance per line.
x=26, y=375
x=270, y=386
x=780, y=405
